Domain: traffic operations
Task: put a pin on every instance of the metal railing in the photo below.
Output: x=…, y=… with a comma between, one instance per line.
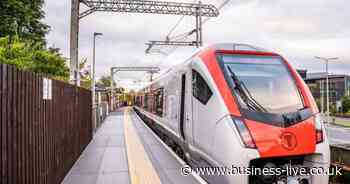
x=101, y=112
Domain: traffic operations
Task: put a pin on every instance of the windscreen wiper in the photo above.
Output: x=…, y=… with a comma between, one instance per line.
x=245, y=94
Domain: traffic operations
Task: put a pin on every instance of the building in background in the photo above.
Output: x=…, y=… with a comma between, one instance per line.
x=339, y=86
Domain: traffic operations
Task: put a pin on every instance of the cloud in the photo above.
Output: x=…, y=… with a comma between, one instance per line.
x=297, y=29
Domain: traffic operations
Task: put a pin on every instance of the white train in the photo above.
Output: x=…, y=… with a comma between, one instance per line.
x=234, y=105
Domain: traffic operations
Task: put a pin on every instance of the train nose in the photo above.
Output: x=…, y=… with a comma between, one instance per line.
x=272, y=141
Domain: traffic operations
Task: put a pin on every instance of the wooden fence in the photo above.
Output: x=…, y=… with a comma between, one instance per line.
x=40, y=139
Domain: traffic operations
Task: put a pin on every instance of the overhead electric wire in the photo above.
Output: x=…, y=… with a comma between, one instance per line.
x=219, y=8
x=204, y=21
x=175, y=26
x=177, y=23
x=184, y=36
x=187, y=34
x=173, y=29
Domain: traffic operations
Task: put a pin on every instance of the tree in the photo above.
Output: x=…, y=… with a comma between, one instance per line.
x=22, y=39
x=85, y=74
x=105, y=81
x=27, y=55
x=22, y=18
x=346, y=104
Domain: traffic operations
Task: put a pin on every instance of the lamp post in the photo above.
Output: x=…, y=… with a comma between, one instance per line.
x=322, y=96
x=93, y=78
x=326, y=60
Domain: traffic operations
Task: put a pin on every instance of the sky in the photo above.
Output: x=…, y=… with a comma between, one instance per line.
x=298, y=30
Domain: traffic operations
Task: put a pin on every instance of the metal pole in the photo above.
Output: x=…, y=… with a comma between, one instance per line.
x=200, y=25
x=348, y=84
x=197, y=29
x=94, y=113
x=151, y=79
x=112, y=89
x=327, y=90
x=199, y=40
x=327, y=83
x=322, y=96
x=74, y=32
x=93, y=82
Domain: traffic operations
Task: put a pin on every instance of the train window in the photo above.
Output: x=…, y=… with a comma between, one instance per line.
x=139, y=101
x=145, y=102
x=158, y=96
x=257, y=79
x=200, y=88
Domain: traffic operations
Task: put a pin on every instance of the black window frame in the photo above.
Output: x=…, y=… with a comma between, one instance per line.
x=159, y=101
x=145, y=101
x=196, y=91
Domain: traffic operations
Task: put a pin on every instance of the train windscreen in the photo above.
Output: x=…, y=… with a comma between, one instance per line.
x=262, y=83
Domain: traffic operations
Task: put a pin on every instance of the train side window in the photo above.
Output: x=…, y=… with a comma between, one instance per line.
x=159, y=95
x=200, y=88
x=145, y=102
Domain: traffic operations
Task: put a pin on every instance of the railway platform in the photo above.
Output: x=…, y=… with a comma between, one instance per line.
x=125, y=151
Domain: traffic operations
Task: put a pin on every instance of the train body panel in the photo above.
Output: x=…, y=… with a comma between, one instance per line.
x=206, y=114
x=226, y=107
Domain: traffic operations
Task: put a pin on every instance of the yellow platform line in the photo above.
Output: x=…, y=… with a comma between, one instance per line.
x=141, y=170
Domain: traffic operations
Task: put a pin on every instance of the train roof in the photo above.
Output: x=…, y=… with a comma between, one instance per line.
x=237, y=47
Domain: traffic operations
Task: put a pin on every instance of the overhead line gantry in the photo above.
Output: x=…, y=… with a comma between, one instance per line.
x=153, y=7
x=128, y=6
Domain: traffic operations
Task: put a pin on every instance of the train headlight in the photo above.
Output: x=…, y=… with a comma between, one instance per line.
x=244, y=133
x=319, y=128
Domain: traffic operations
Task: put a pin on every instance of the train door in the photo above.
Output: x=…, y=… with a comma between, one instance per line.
x=186, y=107
x=203, y=116
x=183, y=106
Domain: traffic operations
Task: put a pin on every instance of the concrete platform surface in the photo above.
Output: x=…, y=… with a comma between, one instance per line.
x=125, y=151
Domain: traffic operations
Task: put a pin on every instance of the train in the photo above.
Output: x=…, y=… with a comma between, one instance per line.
x=235, y=105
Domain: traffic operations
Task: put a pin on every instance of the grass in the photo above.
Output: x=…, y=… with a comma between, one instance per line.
x=343, y=122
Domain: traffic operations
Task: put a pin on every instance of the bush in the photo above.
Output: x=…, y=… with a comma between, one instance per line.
x=346, y=104
x=28, y=56
x=332, y=109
